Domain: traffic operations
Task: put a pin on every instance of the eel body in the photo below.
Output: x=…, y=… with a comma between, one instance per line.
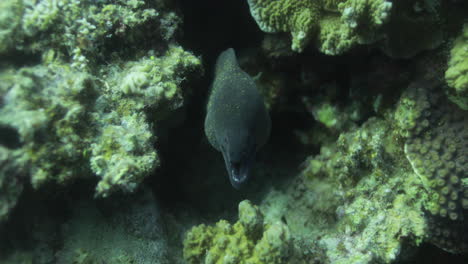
x=237, y=122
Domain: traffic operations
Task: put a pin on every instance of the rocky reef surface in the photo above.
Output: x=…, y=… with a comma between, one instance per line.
x=103, y=157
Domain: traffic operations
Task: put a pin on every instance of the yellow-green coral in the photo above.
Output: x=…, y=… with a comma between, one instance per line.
x=10, y=23
x=358, y=201
x=326, y=114
x=71, y=124
x=300, y=18
x=80, y=30
x=123, y=154
x=437, y=151
x=47, y=106
x=457, y=72
x=152, y=78
x=248, y=241
x=335, y=25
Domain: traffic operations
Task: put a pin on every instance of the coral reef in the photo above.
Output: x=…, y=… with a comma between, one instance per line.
x=437, y=149
x=73, y=116
x=47, y=107
x=335, y=25
x=248, y=241
x=457, y=71
x=298, y=17
x=123, y=154
x=88, y=89
x=357, y=201
x=10, y=23
x=363, y=200
x=69, y=127
x=402, y=28
x=83, y=30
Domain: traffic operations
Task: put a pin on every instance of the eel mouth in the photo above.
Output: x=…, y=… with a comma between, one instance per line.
x=239, y=171
x=238, y=174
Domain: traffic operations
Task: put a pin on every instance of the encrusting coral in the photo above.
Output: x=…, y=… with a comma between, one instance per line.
x=363, y=200
x=248, y=241
x=335, y=25
x=437, y=149
x=402, y=29
x=86, y=107
x=457, y=71
x=47, y=106
x=69, y=127
x=123, y=153
x=83, y=30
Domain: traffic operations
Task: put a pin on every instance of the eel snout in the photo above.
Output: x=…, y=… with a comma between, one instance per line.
x=239, y=168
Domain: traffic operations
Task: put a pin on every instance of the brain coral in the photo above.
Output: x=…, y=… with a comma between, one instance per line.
x=457, y=72
x=437, y=148
x=248, y=241
x=336, y=25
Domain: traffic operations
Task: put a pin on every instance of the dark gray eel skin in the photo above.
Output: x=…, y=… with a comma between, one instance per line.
x=237, y=122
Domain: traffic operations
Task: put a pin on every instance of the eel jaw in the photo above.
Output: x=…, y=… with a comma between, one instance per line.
x=239, y=172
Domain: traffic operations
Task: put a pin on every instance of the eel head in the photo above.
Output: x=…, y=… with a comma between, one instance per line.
x=239, y=157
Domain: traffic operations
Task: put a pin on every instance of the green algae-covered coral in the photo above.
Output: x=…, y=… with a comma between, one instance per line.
x=122, y=154
x=361, y=200
x=300, y=18
x=248, y=241
x=436, y=147
x=47, y=106
x=457, y=71
x=335, y=25
x=10, y=22
x=83, y=30
x=378, y=198
x=70, y=127
x=89, y=106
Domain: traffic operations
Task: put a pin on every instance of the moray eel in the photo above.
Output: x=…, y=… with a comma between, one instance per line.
x=237, y=122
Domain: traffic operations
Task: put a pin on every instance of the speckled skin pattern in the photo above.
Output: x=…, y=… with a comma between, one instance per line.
x=237, y=123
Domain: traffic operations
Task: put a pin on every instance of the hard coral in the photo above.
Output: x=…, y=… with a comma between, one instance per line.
x=358, y=201
x=437, y=148
x=123, y=154
x=10, y=23
x=336, y=25
x=82, y=30
x=47, y=106
x=300, y=18
x=70, y=127
x=249, y=241
x=457, y=72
